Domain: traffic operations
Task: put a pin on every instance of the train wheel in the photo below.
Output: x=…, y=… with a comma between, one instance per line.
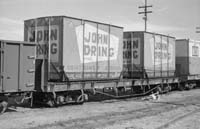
x=51, y=100
x=181, y=87
x=51, y=103
x=189, y=86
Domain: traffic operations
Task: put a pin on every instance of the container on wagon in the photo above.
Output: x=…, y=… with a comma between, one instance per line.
x=80, y=49
x=187, y=57
x=16, y=66
x=148, y=55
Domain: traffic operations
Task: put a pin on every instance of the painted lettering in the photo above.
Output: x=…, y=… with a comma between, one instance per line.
x=93, y=37
x=126, y=54
x=43, y=35
x=42, y=49
x=53, y=48
x=161, y=46
x=102, y=51
x=135, y=44
x=135, y=54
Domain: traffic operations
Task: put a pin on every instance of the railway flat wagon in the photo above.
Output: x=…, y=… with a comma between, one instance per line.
x=83, y=49
x=74, y=54
x=188, y=61
x=17, y=68
x=148, y=55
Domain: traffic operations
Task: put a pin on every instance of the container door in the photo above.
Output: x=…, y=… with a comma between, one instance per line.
x=38, y=74
x=178, y=69
x=11, y=67
x=1, y=62
x=27, y=68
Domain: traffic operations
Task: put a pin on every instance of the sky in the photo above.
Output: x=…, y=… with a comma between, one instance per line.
x=177, y=18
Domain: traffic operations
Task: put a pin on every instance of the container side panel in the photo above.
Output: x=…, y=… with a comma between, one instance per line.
x=127, y=55
x=136, y=48
x=28, y=68
x=1, y=67
x=194, y=48
x=194, y=57
x=182, y=66
x=182, y=48
x=104, y=47
x=40, y=30
x=182, y=58
x=116, y=51
x=165, y=60
x=137, y=54
x=12, y=68
x=86, y=49
x=171, y=57
x=72, y=44
x=91, y=49
x=194, y=66
x=132, y=54
x=159, y=55
x=151, y=64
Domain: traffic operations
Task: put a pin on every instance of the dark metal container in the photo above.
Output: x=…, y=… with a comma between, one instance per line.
x=17, y=69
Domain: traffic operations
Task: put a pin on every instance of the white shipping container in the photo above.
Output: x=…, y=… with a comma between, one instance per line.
x=152, y=55
x=187, y=57
x=83, y=49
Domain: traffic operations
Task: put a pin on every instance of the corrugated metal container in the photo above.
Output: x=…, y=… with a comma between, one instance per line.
x=16, y=66
x=148, y=55
x=187, y=57
x=83, y=49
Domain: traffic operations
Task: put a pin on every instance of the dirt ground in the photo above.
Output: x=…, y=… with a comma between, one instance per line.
x=175, y=110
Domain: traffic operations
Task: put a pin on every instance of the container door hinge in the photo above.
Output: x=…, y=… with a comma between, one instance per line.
x=30, y=70
x=31, y=57
x=29, y=84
